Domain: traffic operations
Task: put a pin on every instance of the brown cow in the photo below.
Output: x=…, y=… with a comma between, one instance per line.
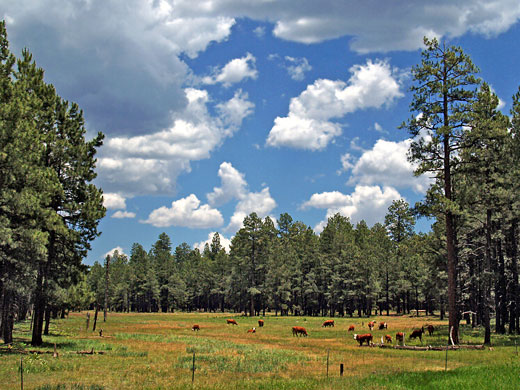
x=296, y=330
x=430, y=329
x=399, y=337
x=232, y=322
x=371, y=325
x=260, y=323
x=388, y=338
x=417, y=333
x=328, y=323
x=363, y=337
x=351, y=328
x=195, y=327
x=383, y=325
x=253, y=330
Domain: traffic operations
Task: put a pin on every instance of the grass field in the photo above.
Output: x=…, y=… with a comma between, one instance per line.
x=155, y=351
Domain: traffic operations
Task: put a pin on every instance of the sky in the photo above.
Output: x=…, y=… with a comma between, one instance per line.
x=214, y=109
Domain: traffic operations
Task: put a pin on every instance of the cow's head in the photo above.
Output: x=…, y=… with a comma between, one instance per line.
x=355, y=337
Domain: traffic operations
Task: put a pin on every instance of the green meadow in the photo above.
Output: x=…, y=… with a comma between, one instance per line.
x=156, y=351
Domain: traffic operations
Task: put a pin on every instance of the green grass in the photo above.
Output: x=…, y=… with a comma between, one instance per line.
x=155, y=351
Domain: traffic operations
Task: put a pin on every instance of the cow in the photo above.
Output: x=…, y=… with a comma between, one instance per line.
x=388, y=338
x=260, y=323
x=399, y=337
x=297, y=330
x=417, y=333
x=383, y=325
x=351, y=328
x=232, y=322
x=328, y=323
x=371, y=325
x=253, y=330
x=362, y=338
x=195, y=327
x=430, y=329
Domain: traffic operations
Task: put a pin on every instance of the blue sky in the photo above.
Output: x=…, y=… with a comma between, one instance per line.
x=215, y=109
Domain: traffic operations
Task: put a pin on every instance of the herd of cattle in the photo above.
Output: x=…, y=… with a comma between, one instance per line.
x=361, y=338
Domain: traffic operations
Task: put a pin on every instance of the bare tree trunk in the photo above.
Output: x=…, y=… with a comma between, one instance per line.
x=107, y=277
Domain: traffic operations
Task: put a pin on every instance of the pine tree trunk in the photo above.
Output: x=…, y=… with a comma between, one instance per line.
x=513, y=316
x=95, y=318
x=502, y=309
x=47, y=320
x=486, y=301
x=39, y=308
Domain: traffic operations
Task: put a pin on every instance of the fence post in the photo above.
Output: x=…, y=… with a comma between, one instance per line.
x=193, y=368
x=328, y=353
x=341, y=369
x=21, y=372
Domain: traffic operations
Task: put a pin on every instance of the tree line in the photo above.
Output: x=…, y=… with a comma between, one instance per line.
x=465, y=267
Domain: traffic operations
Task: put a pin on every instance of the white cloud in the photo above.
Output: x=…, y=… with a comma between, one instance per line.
x=123, y=214
x=387, y=164
x=233, y=185
x=259, y=202
x=259, y=31
x=186, y=212
x=114, y=201
x=234, y=71
x=297, y=67
x=308, y=124
x=369, y=203
x=224, y=242
x=150, y=164
x=236, y=109
x=112, y=251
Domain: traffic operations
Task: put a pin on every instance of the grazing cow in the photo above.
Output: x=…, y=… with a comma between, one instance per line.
x=371, y=325
x=417, y=333
x=195, y=327
x=351, y=328
x=328, y=323
x=260, y=323
x=251, y=330
x=297, y=330
x=399, y=337
x=383, y=325
x=362, y=338
x=388, y=338
x=232, y=322
x=430, y=329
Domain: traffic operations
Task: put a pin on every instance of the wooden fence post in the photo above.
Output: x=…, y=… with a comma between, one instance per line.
x=328, y=353
x=193, y=368
x=341, y=369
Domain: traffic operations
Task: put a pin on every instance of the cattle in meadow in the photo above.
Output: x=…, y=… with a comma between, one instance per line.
x=253, y=330
x=195, y=327
x=399, y=337
x=232, y=322
x=383, y=325
x=328, y=323
x=260, y=323
x=371, y=325
x=361, y=338
x=417, y=333
x=430, y=329
x=388, y=338
x=351, y=328
x=299, y=330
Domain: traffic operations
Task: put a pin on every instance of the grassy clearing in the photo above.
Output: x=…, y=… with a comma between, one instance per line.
x=155, y=351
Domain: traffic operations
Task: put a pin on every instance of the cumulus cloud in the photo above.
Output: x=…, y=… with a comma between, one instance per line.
x=234, y=71
x=259, y=202
x=113, y=250
x=309, y=122
x=150, y=164
x=186, y=212
x=386, y=164
x=123, y=214
x=233, y=185
x=120, y=61
x=114, y=201
x=297, y=67
x=369, y=203
x=224, y=242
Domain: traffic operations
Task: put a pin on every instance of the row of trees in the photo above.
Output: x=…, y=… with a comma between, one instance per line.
x=49, y=211
x=287, y=269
